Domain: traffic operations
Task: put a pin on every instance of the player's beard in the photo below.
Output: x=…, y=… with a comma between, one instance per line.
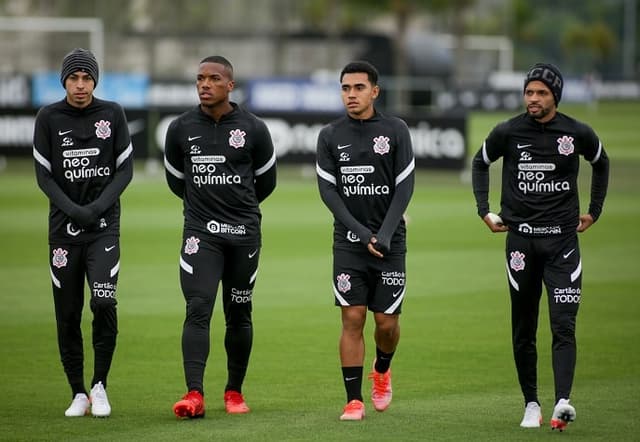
x=541, y=113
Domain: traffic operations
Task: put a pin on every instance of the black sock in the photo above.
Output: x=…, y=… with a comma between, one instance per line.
x=383, y=361
x=77, y=388
x=352, y=377
x=95, y=380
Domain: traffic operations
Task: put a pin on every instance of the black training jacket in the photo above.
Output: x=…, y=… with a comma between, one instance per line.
x=365, y=171
x=540, y=173
x=83, y=163
x=222, y=171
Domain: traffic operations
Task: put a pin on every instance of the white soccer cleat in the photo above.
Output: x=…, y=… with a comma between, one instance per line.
x=79, y=406
x=99, y=402
x=532, y=416
x=563, y=413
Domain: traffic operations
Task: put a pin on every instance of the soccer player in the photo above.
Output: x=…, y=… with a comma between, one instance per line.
x=540, y=151
x=221, y=162
x=365, y=168
x=83, y=163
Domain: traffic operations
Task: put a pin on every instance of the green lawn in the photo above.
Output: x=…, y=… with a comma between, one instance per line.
x=454, y=377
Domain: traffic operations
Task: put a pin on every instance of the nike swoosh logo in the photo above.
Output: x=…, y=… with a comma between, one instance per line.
x=340, y=146
x=395, y=294
x=108, y=249
x=252, y=254
x=522, y=146
x=351, y=379
x=194, y=138
x=566, y=255
x=60, y=132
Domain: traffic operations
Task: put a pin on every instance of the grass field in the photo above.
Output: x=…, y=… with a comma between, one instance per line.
x=454, y=377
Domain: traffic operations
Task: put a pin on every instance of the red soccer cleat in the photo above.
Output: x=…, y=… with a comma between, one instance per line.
x=381, y=392
x=191, y=406
x=234, y=403
x=353, y=411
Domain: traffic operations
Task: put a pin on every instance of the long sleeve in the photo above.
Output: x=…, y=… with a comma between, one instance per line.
x=399, y=204
x=123, y=169
x=265, y=161
x=599, y=184
x=174, y=161
x=331, y=198
x=480, y=182
x=84, y=216
x=404, y=183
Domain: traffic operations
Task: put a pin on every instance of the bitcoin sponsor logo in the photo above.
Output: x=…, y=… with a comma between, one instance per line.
x=539, y=230
x=216, y=227
x=72, y=230
x=352, y=237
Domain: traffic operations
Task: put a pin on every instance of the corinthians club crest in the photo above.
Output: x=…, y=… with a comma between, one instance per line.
x=565, y=145
x=103, y=129
x=517, y=261
x=59, y=259
x=344, y=285
x=191, y=245
x=236, y=138
x=381, y=145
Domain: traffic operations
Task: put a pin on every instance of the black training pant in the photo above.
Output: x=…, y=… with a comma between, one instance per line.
x=554, y=261
x=99, y=263
x=203, y=264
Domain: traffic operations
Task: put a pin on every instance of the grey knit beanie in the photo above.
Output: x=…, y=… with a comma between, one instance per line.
x=79, y=60
x=548, y=74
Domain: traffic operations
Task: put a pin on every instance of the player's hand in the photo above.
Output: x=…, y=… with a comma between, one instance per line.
x=372, y=249
x=494, y=222
x=84, y=217
x=585, y=222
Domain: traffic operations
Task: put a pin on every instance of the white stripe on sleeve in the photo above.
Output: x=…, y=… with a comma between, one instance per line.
x=325, y=175
x=40, y=159
x=597, y=156
x=172, y=170
x=267, y=166
x=124, y=155
x=406, y=172
x=485, y=157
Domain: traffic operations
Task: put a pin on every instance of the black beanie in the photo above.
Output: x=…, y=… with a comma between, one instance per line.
x=548, y=74
x=79, y=60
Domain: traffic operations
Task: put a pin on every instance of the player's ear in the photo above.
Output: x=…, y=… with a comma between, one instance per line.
x=376, y=91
